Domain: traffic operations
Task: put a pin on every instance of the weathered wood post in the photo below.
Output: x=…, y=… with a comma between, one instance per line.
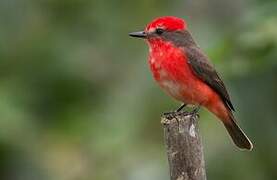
x=184, y=147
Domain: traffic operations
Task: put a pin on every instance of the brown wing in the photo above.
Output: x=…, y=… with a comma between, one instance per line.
x=206, y=72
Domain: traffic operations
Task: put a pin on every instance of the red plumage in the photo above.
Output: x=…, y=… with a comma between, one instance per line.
x=184, y=72
x=170, y=22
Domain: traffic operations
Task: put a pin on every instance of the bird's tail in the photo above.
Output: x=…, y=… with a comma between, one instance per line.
x=236, y=133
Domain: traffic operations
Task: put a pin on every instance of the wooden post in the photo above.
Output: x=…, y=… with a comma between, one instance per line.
x=184, y=147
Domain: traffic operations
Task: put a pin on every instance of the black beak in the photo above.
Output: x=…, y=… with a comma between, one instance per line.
x=139, y=34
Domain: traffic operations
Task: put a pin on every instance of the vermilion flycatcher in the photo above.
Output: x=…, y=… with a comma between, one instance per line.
x=185, y=73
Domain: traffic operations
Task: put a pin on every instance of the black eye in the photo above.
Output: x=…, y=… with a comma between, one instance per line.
x=159, y=31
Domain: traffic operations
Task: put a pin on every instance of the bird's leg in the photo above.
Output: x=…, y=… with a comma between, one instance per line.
x=181, y=107
x=195, y=110
x=172, y=114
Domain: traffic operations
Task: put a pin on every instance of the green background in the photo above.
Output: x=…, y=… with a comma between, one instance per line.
x=77, y=100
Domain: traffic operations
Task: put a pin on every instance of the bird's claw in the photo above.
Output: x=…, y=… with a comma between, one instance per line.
x=172, y=114
x=195, y=111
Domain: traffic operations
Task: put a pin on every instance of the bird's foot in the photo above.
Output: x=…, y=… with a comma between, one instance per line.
x=195, y=111
x=172, y=114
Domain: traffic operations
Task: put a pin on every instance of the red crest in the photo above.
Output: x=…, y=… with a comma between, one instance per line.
x=170, y=23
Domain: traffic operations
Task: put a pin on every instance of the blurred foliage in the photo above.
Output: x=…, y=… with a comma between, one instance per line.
x=78, y=100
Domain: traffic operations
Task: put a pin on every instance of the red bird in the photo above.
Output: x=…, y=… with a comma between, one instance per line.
x=182, y=69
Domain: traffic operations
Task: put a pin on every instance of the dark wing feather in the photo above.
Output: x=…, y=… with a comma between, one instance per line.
x=206, y=72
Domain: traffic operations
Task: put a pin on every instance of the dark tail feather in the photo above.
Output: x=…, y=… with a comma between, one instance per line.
x=238, y=136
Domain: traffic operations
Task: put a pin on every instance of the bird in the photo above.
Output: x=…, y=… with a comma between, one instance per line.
x=184, y=72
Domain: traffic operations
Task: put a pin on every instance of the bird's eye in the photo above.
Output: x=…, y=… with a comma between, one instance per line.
x=159, y=31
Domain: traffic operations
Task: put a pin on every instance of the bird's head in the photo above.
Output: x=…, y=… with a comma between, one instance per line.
x=161, y=28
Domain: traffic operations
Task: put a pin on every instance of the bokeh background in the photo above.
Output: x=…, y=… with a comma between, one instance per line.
x=77, y=100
